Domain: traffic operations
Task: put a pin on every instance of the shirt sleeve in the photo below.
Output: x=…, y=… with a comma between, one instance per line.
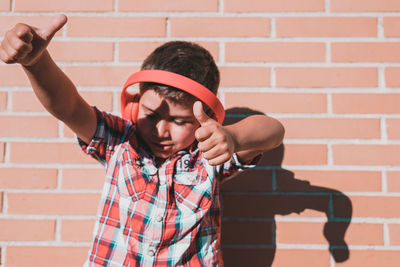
x=234, y=166
x=111, y=130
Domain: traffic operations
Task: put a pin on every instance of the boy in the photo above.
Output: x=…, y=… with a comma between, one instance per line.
x=160, y=203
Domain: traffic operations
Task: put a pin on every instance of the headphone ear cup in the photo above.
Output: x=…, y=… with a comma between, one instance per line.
x=130, y=106
x=134, y=110
x=126, y=111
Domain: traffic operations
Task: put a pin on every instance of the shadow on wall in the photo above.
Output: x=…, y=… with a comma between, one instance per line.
x=251, y=200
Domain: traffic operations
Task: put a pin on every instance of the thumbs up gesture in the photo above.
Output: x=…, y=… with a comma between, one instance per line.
x=25, y=44
x=214, y=140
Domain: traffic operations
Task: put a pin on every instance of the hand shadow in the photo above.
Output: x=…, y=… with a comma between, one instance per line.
x=252, y=198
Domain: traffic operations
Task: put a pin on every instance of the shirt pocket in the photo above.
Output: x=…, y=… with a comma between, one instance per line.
x=193, y=190
x=131, y=183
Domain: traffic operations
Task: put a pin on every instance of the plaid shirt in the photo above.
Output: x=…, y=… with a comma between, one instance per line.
x=150, y=215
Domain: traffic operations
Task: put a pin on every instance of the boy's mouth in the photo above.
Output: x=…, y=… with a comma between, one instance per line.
x=162, y=146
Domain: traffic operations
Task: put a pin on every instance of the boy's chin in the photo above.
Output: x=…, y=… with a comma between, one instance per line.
x=161, y=154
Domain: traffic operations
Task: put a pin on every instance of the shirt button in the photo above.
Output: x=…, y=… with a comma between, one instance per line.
x=151, y=253
x=159, y=218
x=152, y=170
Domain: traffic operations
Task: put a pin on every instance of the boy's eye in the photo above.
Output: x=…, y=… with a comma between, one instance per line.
x=180, y=122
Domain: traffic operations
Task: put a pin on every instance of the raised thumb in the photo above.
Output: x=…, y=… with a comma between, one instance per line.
x=199, y=113
x=56, y=24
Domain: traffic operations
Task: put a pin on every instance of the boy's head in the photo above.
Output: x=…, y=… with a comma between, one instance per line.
x=165, y=120
x=184, y=58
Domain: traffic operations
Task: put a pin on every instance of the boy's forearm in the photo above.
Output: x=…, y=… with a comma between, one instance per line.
x=60, y=97
x=52, y=87
x=256, y=133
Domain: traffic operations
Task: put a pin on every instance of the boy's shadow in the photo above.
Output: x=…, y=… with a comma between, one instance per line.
x=251, y=200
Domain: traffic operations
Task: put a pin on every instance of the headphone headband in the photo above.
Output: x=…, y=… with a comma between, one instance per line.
x=178, y=81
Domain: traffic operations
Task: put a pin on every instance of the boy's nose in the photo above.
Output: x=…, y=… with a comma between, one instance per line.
x=162, y=129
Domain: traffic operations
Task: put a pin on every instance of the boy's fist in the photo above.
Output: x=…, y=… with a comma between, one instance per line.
x=214, y=140
x=24, y=44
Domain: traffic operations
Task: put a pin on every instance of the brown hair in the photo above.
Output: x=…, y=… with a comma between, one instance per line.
x=184, y=58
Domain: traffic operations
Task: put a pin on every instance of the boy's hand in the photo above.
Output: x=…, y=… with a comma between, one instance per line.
x=25, y=44
x=216, y=143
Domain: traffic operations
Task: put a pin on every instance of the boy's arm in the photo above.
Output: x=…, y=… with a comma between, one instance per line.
x=27, y=45
x=254, y=135
x=60, y=97
x=247, y=138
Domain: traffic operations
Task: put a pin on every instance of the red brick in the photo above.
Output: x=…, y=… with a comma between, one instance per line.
x=245, y=76
x=332, y=181
x=366, y=103
x=40, y=21
x=53, y=203
x=394, y=232
x=117, y=27
x=26, y=101
x=366, y=154
x=392, y=76
x=102, y=100
x=277, y=102
x=273, y=6
x=326, y=27
x=275, y=52
x=2, y=151
x=3, y=101
x=48, y=153
x=260, y=233
x=45, y=256
x=268, y=206
x=28, y=178
x=220, y=27
x=64, y=6
x=82, y=51
x=371, y=258
x=393, y=128
x=100, y=75
x=1, y=201
x=391, y=26
x=299, y=154
x=83, y=178
x=5, y=5
x=326, y=77
x=365, y=6
x=302, y=258
x=68, y=132
x=28, y=126
x=365, y=52
x=138, y=51
x=331, y=128
x=313, y=233
x=13, y=75
x=77, y=230
x=393, y=181
x=27, y=230
x=368, y=207
x=172, y=6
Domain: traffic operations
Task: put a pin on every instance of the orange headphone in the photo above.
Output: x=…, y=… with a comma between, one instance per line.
x=130, y=102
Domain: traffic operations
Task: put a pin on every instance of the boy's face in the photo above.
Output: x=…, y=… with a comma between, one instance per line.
x=164, y=126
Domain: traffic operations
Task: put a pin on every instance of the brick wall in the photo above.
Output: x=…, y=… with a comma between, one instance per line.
x=328, y=69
